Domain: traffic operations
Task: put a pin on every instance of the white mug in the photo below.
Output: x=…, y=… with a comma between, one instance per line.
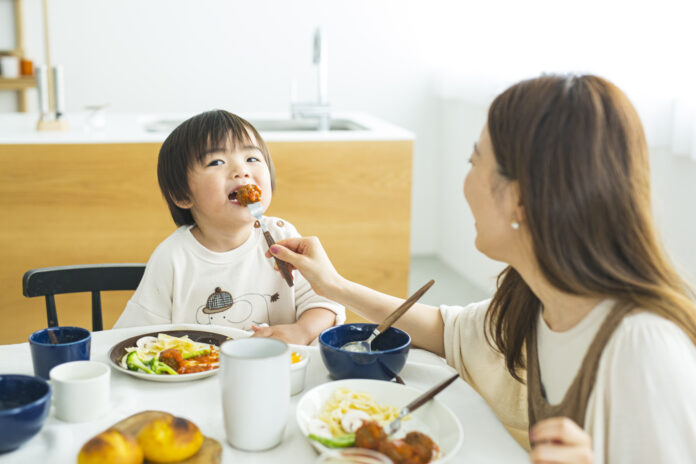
x=255, y=381
x=81, y=390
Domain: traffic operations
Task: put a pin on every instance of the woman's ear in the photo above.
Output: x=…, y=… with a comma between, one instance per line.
x=516, y=202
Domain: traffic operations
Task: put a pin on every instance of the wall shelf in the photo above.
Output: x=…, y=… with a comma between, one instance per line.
x=20, y=83
x=23, y=83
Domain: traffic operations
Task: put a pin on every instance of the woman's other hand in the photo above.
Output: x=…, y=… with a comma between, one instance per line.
x=308, y=256
x=560, y=440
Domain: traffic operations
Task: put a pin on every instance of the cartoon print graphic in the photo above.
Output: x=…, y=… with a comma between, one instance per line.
x=241, y=312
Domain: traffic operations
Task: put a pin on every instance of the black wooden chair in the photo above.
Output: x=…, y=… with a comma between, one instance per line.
x=94, y=278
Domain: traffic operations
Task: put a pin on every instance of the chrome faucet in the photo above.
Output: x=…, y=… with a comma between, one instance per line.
x=319, y=109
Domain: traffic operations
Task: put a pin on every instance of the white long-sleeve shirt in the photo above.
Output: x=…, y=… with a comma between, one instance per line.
x=184, y=282
x=643, y=405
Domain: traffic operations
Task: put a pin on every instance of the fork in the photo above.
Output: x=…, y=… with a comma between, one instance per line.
x=257, y=211
x=394, y=425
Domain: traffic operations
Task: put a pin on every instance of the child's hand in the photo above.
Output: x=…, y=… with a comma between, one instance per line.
x=289, y=333
x=560, y=440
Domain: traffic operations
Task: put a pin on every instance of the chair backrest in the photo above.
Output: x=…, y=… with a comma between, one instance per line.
x=94, y=278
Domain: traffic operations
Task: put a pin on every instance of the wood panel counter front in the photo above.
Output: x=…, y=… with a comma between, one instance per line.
x=99, y=203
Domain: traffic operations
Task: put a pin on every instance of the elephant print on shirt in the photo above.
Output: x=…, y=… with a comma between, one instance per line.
x=242, y=312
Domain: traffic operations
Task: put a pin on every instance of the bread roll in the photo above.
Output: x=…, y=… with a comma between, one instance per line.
x=110, y=447
x=170, y=439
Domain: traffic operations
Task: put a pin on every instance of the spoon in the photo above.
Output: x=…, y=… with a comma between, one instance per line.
x=394, y=425
x=52, y=337
x=365, y=346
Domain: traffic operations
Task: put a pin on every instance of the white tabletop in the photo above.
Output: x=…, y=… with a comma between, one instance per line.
x=485, y=438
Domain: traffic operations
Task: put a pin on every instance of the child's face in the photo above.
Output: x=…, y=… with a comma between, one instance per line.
x=223, y=170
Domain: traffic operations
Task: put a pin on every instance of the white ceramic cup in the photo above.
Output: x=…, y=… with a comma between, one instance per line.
x=255, y=381
x=9, y=66
x=81, y=390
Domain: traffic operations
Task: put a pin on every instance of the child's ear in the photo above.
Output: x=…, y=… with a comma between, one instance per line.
x=183, y=204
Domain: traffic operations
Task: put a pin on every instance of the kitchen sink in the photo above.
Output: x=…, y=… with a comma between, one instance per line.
x=267, y=125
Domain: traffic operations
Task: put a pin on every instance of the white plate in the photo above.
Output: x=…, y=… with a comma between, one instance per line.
x=433, y=418
x=118, y=350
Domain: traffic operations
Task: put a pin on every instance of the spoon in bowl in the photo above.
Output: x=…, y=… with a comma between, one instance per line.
x=365, y=346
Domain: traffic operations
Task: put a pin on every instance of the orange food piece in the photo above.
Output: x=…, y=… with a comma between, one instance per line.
x=296, y=357
x=370, y=435
x=415, y=448
x=205, y=362
x=248, y=194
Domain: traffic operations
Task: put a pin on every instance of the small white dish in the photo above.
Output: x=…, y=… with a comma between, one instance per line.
x=433, y=418
x=298, y=370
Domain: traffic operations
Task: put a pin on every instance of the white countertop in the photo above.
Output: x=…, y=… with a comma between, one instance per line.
x=485, y=440
x=20, y=128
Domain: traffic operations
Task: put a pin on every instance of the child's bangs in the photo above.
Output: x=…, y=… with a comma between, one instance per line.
x=224, y=130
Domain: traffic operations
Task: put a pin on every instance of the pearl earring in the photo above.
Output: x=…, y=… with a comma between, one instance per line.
x=515, y=225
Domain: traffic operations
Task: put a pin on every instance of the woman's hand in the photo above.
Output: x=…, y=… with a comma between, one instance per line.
x=560, y=440
x=308, y=256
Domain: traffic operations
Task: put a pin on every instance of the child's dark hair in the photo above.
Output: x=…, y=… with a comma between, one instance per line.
x=187, y=144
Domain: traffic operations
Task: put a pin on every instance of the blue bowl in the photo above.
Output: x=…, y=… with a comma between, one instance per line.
x=24, y=405
x=74, y=344
x=388, y=357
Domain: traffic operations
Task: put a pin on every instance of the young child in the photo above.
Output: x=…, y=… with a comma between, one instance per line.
x=213, y=268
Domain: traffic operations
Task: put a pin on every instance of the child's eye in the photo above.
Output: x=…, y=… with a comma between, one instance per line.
x=216, y=162
x=252, y=159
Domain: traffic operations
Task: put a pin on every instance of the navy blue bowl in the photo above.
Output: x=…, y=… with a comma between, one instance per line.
x=388, y=357
x=24, y=405
x=74, y=344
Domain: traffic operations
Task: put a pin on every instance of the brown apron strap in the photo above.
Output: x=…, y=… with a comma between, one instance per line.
x=574, y=403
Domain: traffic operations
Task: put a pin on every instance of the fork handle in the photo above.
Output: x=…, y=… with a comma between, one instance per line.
x=282, y=265
x=403, y=308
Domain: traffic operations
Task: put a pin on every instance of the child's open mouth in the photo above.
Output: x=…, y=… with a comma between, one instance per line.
x=232, y=196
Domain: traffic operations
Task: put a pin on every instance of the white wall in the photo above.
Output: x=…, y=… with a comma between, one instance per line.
x=431, y=67
x=190, y=56
x=673, y=180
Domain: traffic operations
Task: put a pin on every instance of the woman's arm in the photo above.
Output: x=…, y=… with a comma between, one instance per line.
x=422, y=322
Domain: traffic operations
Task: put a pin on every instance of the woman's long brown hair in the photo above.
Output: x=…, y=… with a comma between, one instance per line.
x=576, y=147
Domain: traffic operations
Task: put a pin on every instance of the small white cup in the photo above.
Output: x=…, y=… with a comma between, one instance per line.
x=255, y=381
x=9, y=66
x=81, y=390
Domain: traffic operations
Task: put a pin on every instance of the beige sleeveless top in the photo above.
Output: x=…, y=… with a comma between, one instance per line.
x=574, y=402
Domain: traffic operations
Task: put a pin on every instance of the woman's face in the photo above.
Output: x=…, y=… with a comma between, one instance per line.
x=493, y=202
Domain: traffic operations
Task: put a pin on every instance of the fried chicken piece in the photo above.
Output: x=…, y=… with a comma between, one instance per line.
x=399, y=452
x=422, y=445
x=172, y=357
x=369, y=435
x=248, y=194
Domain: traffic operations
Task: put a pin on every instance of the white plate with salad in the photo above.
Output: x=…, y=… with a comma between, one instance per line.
x=169, y=355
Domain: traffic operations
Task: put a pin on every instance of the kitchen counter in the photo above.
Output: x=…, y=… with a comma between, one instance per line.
x=20, y=128
x=90, y=197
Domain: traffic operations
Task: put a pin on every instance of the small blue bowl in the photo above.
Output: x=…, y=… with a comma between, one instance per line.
x=388, y=357
x=24, y=406
x=74, y=344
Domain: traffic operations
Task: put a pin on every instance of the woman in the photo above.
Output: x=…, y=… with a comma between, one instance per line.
x=589, y=339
